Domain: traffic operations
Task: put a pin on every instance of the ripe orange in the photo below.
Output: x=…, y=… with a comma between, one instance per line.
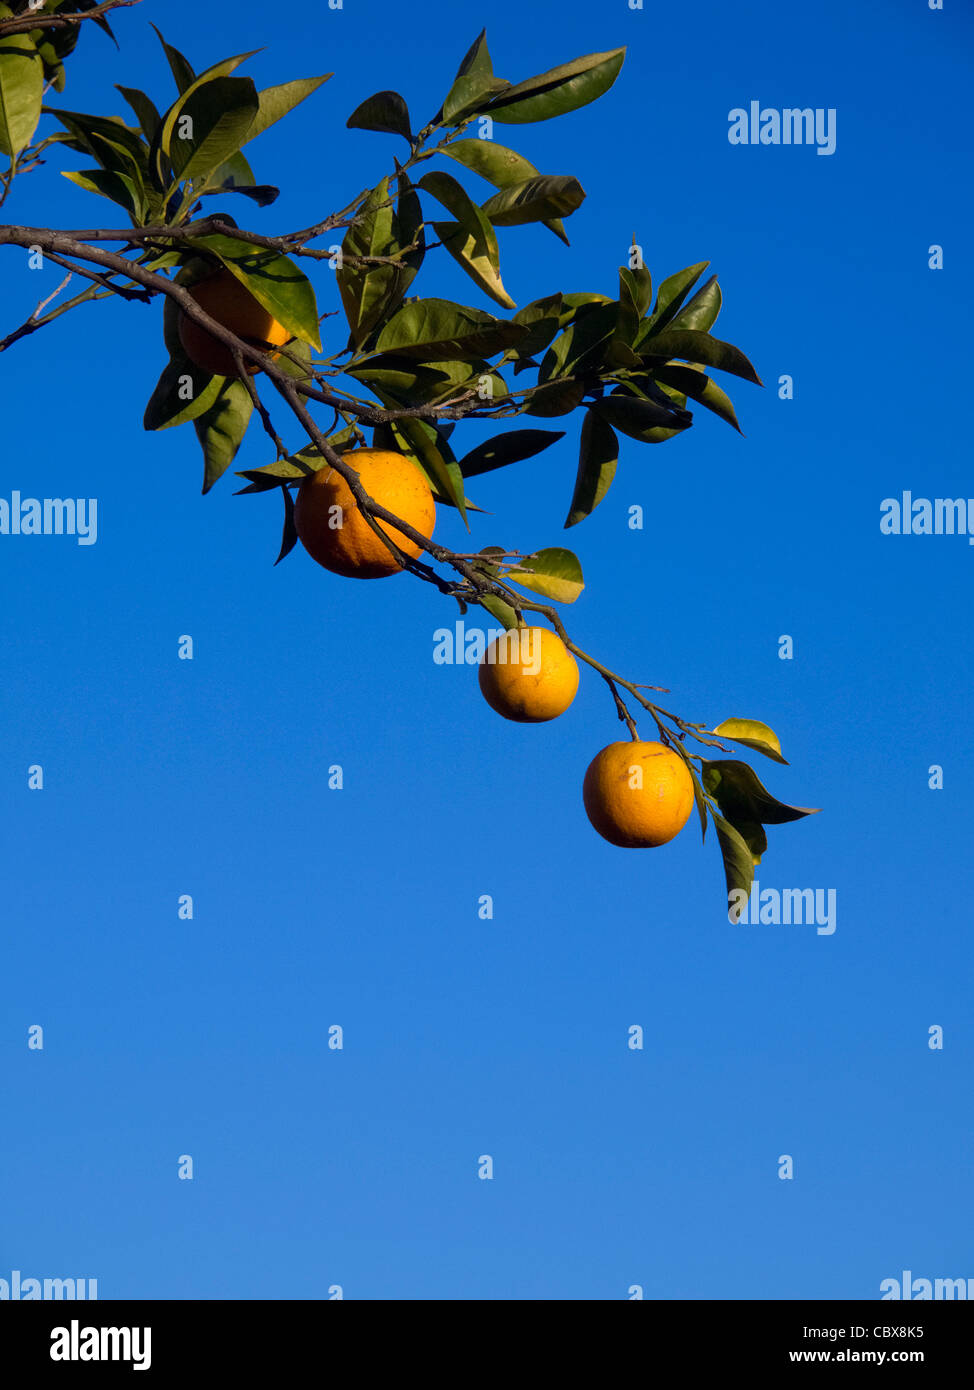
x=225, y=299
x=335, y=533
x=638, y=795
x=528, y=675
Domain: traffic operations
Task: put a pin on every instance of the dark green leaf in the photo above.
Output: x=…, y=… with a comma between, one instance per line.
x=437, y=329
x=219, y=113
x=636, y=288
x=701, y=311
x=692, y=382
x=583, y=345
x=755, y=838
x=415, y=383
x=695, y=346
x=501, y=167
x=145, y=112
x=636, y=417
x=541, y=319
x=370, y=292
x=598, y=456
x=507, y=448
x=555, y=398
x=739, y=793
x=535, y=200
x=221, y=429
x=271, y=476
x=738, y=859
x=559, y=90
x=235, y=175
x=94, y=133
x=671, y=294
x=183, y=392
x=385, y=111
x=178, y=65
x=289, y=539
x=120, y=188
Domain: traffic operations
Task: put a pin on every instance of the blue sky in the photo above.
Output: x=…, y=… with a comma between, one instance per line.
x=359, y=907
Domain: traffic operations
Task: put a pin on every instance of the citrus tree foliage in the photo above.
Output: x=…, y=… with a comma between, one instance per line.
x=411, y=367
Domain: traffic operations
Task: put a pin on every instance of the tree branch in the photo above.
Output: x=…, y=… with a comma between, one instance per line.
x=23, y=24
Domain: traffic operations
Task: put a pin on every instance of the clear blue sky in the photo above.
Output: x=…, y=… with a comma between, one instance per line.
x=359, y=907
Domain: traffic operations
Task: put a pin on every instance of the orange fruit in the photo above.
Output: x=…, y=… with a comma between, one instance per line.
x=528, y=675
x=638, y=795
x=225, y=299
x=335, y=533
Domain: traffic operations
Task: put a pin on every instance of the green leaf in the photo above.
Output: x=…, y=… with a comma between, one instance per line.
x=289, y=539
x=701, y=311
x=272, y=475
x=598, y=456
x=554, y=398
x=276, y=102
x=671, y=294
x=385, y=111
x=471, y=240
x=477, y=57
x=100, y=134
x=507, y=448
x=755, y=838
x=183, y=392
x=691, y=381
x=501, y=167
x=585, y=342
x=535, y=200
x=145, y=111
x=582, y=299
x=472, y=252
x=120, y=188
x=561, y=89
x=739, y=793
x=636, y=288
x=219, y=112
x=694, y=346
x=21, y=93
x=699, y=796
x=366, y=290
x=636, y=417
x=474, y=81
x=500, y=610
x=437, y=330
x=178, y=65
x=738, y=859
x=220, y=430
x=555, y=573
x=235, y=175
x=407, y=224
x=469, y=94
x=753, y=734
x=542, y=320
x=221, y=69
x=415, y=383
x=273, y=280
